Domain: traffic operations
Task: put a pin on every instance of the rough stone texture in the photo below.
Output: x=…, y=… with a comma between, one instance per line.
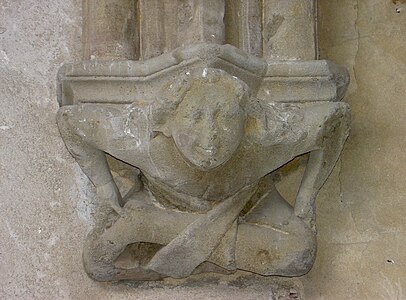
x=110, y=29
x=168, y=24
x=289, y=29
x=243, y=25
x=274, y=29
x=39, y=224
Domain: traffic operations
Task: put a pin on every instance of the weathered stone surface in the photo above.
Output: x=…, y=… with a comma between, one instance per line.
x=286, y=81
x=37, y=180
x=169, y=24
x=243, y=25
x=204, y=145
x=43, y=226
x=304, y=81
x=45, y=200
x=289, y=30
x=45, y=204
x=91, y=81
x=110, y=29
x=273, y=29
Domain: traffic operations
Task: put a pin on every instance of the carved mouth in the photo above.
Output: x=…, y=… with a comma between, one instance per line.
x=206, y=157
x=206, y=151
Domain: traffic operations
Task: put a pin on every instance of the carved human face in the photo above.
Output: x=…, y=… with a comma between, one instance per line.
x=208, y=125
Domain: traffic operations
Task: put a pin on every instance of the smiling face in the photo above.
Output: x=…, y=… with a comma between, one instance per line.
x=209, y=122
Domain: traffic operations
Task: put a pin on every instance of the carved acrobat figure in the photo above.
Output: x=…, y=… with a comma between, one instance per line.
x=204, y=148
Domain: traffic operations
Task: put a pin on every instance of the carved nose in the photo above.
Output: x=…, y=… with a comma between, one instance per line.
x=210, y=136
x=208, y=144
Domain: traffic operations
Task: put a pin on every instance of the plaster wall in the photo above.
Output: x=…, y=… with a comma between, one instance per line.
x=45, y=204
x=361, y=209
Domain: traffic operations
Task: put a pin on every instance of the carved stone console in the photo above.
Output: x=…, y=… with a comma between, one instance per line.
x=205, y=125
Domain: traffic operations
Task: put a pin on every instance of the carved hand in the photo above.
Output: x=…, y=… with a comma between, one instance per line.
x=108, y=193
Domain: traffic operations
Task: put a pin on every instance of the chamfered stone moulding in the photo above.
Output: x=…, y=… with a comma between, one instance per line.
x=205, y=125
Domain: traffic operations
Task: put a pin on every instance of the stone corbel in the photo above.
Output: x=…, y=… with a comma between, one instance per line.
x=205, y=125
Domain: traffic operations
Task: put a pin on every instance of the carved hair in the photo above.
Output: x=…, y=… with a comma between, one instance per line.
x=164, y=108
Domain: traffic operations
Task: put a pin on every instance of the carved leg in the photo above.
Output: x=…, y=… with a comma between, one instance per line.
x=335, y=129
x=276, y=239
x=104, y=247
x=198, y=241
x=81, y=141
x=272, y=240
x=116, y=253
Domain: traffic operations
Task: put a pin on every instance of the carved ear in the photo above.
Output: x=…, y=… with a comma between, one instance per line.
x=161, y=117
x=244, y=95
x=164, y=129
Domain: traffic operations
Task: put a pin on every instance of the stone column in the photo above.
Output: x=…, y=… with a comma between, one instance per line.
x=168, y=24
x=289, y=29
x=110, y=29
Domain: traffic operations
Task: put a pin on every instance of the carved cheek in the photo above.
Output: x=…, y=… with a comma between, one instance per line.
x=184, y=140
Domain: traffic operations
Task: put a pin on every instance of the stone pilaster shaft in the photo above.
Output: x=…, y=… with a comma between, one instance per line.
x=243, y=21
x=110, y=29
x=289, y=29
x=168, y=24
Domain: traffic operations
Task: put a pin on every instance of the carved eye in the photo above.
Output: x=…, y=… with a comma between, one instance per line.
x=196, y=115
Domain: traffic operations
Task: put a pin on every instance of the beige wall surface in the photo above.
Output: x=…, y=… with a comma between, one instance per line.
x=362, y=207
x=45, y=200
